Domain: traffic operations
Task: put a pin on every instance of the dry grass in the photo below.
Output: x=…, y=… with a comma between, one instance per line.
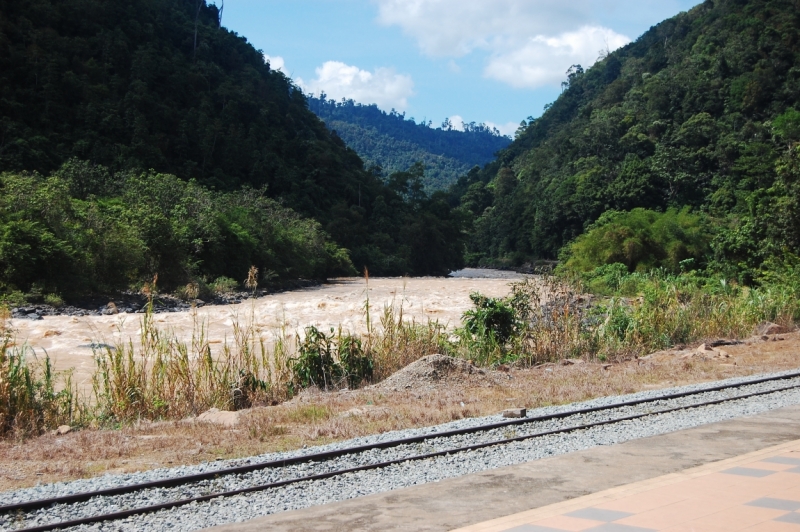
x=315, y=417
x=169, y=379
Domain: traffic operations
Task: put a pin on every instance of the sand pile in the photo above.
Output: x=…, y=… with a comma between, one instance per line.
x=435, y=371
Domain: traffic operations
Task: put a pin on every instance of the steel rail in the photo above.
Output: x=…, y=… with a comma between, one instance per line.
x=327, y=455
x=82, y=497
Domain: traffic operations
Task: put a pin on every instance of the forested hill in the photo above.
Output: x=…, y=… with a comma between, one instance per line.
x=700, y=111
x=159, y=84
x=394, y=143
x=141, y=137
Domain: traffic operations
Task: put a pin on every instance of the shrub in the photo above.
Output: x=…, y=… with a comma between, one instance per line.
x=329, y=361
x=224, y=285
x=315, y=364
x=641, y=240
x=54, y=300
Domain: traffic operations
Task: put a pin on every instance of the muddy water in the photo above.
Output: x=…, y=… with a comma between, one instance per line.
x=67, y=339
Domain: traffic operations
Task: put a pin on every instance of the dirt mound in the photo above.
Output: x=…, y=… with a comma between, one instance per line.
x=434, y=371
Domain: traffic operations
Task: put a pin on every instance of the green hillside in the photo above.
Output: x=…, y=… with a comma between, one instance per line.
x=104, y=103
x=394, y=143
x=699, y=112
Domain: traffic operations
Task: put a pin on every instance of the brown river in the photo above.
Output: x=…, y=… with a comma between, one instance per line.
x=68, y=340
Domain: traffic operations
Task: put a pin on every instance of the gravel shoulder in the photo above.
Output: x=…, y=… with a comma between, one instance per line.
x=404, y=474
x=315, y=418
x=467, y=500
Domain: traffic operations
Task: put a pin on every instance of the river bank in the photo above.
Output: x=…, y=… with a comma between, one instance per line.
x=70, y=340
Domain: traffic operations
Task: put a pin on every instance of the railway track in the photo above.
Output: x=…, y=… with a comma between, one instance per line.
x=18, y=511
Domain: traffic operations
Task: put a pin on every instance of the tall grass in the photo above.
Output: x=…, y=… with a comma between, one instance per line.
x=400, y=342
x=33, y=397
x=557, y=318
x=546, y=318
x=165, y=377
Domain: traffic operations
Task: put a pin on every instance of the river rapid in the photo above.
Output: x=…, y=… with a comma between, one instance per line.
x=68, y=340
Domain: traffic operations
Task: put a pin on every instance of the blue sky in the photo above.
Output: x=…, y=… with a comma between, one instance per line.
x=492, y=61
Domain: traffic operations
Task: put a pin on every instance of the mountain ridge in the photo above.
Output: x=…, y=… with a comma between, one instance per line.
x=681, y=117
x=394, y=143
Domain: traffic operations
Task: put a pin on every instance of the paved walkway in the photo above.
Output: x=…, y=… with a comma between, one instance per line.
x=755, y=492
x=543, y=485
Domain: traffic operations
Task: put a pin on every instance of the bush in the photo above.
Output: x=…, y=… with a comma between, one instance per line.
x=329, y=361
x=224, y=285
x=315, y=364
x=54, y=300
x=492, y=317
x=641, y=240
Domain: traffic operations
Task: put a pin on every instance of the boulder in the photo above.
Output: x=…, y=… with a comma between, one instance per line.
x=769, y=329
x=216, y=416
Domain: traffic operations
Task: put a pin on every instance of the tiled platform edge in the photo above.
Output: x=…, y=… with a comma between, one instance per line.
x=755, y=492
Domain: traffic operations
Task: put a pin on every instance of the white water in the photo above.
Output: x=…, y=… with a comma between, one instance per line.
x=338, y=303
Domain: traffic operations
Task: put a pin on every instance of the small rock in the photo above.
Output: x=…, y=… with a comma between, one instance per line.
x=63, y=429
x=708, y=352
x=768, y=329
x=515, y=412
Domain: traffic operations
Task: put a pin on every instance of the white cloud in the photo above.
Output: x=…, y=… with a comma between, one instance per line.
x=276, y=62
x=383, y=86
x=530, y=42
x=508, y=129
x=456, y=27
x=542, y=60
x=457, y=122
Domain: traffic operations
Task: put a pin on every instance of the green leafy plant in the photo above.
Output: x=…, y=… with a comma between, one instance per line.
x=315, y=364
x=224, y=285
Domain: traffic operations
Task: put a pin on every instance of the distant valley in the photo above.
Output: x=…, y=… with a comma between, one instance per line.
x=394, y=143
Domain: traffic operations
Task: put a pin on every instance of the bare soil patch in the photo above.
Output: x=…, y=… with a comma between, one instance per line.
x=440, y=391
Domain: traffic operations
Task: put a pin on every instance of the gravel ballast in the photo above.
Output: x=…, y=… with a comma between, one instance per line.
x=305, y=494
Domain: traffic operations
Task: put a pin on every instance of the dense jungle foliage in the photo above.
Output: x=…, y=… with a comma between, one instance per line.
x=56, y=238
x=701, y=114
x=125, y=97
x=394, y=143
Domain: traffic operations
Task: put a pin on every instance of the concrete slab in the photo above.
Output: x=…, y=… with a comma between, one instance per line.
x=703, y=498
x=492, y=494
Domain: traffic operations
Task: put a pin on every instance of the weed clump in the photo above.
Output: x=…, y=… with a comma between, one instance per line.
x=609, y=313
x=33, y=397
